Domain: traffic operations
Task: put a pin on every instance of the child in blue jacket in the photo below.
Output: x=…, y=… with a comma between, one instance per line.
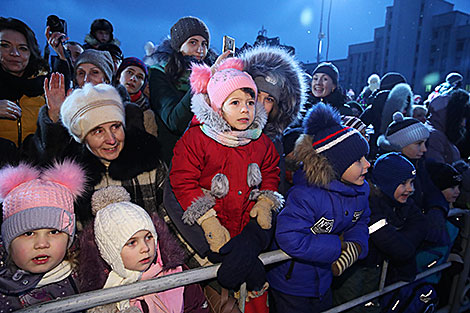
x=324, y=223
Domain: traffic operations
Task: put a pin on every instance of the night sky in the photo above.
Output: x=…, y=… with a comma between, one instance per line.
x=296, y=22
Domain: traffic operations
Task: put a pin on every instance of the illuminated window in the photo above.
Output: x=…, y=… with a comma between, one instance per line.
x=428, y=88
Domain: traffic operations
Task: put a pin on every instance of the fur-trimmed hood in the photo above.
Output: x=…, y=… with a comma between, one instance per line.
x=93, y=270
x=159, y=55
x=399, y=99
x=279, y=64
x=206, y=115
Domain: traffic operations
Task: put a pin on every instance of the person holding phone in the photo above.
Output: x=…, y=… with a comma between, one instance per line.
x=170, y=95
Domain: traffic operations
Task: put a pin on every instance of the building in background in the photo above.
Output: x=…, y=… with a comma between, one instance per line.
x=423, y=39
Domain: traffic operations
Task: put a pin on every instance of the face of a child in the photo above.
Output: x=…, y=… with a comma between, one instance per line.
x=40, y=250
x=404, y=191
x=451, y=194
x=139, y=251
x=355, y=174
x=239, y=110
x=415, y=150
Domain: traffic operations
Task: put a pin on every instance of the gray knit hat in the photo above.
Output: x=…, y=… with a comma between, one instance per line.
x=405, y=131
x=101, y=59
x=186, y=27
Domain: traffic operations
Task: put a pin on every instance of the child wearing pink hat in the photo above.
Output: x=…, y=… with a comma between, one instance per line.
x=225, y=174
x=37, y=231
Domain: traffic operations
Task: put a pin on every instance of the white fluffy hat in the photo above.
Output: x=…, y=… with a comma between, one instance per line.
x=89, y=107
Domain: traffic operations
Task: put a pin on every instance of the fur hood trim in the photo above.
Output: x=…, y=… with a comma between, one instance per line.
x=318, y=171
x=278, y=63
x=160, y=54
x=206, y=115
x=399, y=99
x=92, y=41
x=140, y=154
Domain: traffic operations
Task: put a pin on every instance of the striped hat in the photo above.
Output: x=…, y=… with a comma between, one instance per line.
x=404, y=131
x=341, y=145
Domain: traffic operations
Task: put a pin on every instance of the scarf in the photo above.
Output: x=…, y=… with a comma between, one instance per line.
x=58, y=273
x=169, y=301
x=233, y=138
x=115, y=280
x=13, y=87
x=135, y=96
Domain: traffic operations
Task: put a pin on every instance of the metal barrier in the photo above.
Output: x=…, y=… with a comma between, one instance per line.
x=104, y=296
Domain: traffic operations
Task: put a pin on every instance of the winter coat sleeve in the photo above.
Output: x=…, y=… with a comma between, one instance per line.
x=294, y=234
x=436, y=145
x=359, y=232
x=270, y=169
x=167, y=103
x=400, y=238
x=186, y=168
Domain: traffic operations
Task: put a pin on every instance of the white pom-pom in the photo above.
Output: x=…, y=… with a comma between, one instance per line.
x=108, y=195
x=149, y=48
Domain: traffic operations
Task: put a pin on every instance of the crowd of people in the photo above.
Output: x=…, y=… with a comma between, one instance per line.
x=116, y=169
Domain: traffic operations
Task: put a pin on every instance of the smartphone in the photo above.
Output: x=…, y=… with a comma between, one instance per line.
x=228, y=44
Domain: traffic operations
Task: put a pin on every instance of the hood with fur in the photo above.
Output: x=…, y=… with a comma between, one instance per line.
x=206, y=115
x=279, y=64
x=92, y=41
x=399, y=99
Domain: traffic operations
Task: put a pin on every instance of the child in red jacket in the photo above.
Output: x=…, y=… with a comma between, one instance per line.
x=225, y=172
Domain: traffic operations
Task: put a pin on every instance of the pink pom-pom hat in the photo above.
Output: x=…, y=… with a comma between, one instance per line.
x=34, y=200
x=228, y=78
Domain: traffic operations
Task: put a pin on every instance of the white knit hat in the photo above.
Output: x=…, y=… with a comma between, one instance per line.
x=89, y=107
x=116, y=223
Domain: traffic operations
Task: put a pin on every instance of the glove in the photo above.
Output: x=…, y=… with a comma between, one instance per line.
x=240, y=255
x=262, y=210
x=216, y=234
x=349, y=254
x=256, y=277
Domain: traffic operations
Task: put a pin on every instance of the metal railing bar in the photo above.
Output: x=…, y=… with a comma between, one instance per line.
x=387, y=289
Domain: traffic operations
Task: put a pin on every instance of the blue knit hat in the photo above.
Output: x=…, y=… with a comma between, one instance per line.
x=390, y=170
x=341, y=145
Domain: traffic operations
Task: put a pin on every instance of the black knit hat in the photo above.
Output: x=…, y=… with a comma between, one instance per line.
x=101, y=24
x=341, y=145
x=444, y=175
x=389, y=80
x=329, y=69
x=390, y=170
x=186, y=27
x=404, y=131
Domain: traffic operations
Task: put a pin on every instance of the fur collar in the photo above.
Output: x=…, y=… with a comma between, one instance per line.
x=206, y=115
x=140, y=154
x=279, y=64
x=92, y=41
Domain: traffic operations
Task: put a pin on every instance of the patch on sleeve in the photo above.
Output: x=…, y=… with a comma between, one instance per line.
x=357, y=215
x=322, y=226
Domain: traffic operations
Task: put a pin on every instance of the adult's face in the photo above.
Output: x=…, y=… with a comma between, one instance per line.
x=106, y=141
x=195, y=46
x=322, y=85
x=89, y=73
x=133, y=78
x=75, y=51
x=267, y=100
x=14, y=52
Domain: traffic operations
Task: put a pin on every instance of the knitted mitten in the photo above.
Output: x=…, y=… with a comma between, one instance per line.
x=216, y=234
x=263, y=211
x=349, y=255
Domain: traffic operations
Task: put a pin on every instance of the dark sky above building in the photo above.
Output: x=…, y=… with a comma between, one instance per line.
x=296, y=22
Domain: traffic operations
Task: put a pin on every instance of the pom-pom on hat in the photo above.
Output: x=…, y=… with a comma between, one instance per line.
x=390, y=170
x=341, y=145
x=89, y=107
x=186, y=27
x=329, y=69
x=116, y=221
x=228, y=78
x=405, y=130
x=34, y=200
